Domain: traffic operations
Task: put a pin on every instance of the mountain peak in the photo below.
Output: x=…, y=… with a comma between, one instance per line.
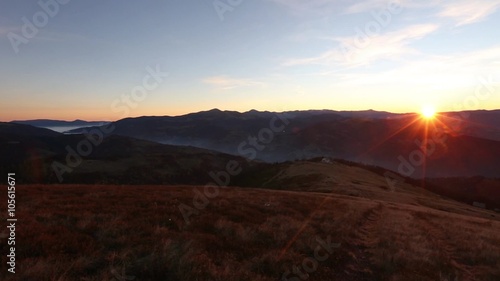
x=214, y=110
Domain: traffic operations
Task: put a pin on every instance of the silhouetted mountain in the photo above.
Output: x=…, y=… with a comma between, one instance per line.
x=43, y=156
x=388, y=141
x=59, y=123
x=481, y=123
x=369, y=114
x=396, y=144
x=219, y=130
x=11, y=129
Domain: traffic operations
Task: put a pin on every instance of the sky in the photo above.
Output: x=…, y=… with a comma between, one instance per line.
x=106, y=60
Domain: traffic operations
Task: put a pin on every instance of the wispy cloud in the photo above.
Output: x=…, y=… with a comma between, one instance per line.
x=467, y=12
x=359, y=49
x=350, y=51
x=374, y=5
x=461, y=11
x=450, y=71
x=224, y=82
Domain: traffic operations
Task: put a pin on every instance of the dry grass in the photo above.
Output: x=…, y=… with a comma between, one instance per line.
x=78, y=232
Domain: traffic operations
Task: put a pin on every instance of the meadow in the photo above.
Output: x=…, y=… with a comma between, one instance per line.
x=112, y=232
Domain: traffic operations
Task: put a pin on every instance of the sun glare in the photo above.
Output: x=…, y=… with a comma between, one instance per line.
x=428, y=112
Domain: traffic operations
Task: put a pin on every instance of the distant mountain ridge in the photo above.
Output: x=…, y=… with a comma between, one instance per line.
x=9, y=129
x=59, y=123
x=378, y=138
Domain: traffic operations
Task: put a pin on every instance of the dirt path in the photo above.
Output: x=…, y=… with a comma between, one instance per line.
x=359, y=265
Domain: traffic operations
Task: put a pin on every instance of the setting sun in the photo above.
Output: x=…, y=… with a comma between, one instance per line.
x=428, y=112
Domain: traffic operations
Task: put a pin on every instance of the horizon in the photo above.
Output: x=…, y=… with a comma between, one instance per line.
x=242, y=112
x=142, y=59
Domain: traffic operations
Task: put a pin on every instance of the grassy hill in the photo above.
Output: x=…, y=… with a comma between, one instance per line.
x=103, y=232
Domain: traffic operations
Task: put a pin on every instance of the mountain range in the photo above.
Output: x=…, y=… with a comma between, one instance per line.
x=458, y=143
x=196, y=149
x=59, y=123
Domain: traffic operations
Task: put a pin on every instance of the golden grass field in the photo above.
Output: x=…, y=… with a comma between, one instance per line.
x=100, y=232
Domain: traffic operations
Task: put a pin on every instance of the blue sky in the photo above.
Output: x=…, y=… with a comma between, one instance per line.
x=239, y=55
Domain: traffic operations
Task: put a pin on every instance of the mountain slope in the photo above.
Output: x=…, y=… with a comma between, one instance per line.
x=389, y=140
x=43, y=156
x=469, y=190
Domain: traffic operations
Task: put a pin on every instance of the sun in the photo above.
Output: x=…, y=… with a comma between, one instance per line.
x=428, y=112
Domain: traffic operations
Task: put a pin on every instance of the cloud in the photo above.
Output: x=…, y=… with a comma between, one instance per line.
x=467, y=12
x=223, y=82
x=461, y=11
x=454, y=71
x=375, y=5
x=362, y=49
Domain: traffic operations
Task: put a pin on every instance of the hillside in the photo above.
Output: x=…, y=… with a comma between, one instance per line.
x=354, y=179
x=43, y=156
x=469, y=190
x=9, y=130
x=104, y=232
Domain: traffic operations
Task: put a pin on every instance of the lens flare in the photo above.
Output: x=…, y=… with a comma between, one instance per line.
x=428, y=112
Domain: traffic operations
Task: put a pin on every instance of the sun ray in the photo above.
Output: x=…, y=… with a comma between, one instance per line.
x=398, y=131
x=426, y=152
x=465, y=120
